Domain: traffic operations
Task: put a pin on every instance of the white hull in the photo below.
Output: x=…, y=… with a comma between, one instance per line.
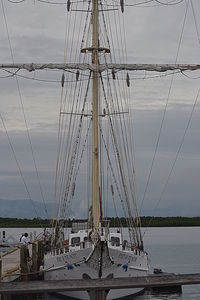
x=114, y=294
x=72, y=265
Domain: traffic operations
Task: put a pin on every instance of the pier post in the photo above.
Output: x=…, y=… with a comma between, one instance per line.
x=40, y=254
x=31, y=237
x=24, y=263
x=1, y=270
x=34, y=258
x=98, y=294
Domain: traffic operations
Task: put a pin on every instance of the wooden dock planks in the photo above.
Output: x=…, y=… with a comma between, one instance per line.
x=11, y=263
x=98, y=284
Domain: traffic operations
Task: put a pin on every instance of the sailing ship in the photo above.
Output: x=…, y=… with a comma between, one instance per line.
x=95, y=126
x=95, y=251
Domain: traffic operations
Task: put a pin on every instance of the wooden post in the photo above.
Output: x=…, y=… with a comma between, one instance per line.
x=34, y=259
x=40, y=254
x=1, y=270
x=98, y=294
x=31, y=237
x=24, y=263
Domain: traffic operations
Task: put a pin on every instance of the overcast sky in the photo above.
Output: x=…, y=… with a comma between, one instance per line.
x=37, y=34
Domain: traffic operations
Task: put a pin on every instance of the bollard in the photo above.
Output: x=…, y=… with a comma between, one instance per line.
x=1, y=270
x=31, y=237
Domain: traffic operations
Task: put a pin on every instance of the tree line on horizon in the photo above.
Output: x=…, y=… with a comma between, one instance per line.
x=146, y=221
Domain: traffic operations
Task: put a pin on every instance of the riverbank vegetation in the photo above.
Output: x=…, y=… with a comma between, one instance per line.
x=148, y=221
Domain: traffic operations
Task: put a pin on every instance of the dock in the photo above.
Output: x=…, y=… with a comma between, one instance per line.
x=19, y=282
x=98, y=287
x=10, y=264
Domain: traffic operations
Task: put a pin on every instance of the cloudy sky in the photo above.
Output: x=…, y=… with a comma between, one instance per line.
x=155, y=33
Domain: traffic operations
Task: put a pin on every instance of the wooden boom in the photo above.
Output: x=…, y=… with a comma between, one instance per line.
x=102, y=67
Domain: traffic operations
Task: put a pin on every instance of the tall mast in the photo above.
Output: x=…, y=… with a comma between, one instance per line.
x=95, y=95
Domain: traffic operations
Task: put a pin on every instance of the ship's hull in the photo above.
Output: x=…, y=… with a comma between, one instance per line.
x=126, y=294
x=74, y=265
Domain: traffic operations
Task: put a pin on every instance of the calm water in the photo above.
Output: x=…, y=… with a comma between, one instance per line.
x=174, y=250
x=171, y=249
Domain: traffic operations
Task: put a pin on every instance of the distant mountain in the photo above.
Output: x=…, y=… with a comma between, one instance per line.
x=24, y=209
x=34, y=209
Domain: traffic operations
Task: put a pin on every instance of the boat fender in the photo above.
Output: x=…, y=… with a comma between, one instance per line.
x=125, y=267
x=68, y=5
x=113, y=74
x=63, y=80
x=127, y=80
x=41, y=269
x=77, y=75
x=73, y=188
x=70, y=267
x=77, y=265
x=112, y=190
x=122, y=5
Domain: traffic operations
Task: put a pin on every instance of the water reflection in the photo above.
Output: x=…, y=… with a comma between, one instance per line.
x=147, y=295
x=159, y=296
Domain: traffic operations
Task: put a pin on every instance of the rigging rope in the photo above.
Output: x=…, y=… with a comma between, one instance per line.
x=195, y=21
x=164, y=112
x=23, y=112
x=177, y=155
x=130, y=220
x=18, y=166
